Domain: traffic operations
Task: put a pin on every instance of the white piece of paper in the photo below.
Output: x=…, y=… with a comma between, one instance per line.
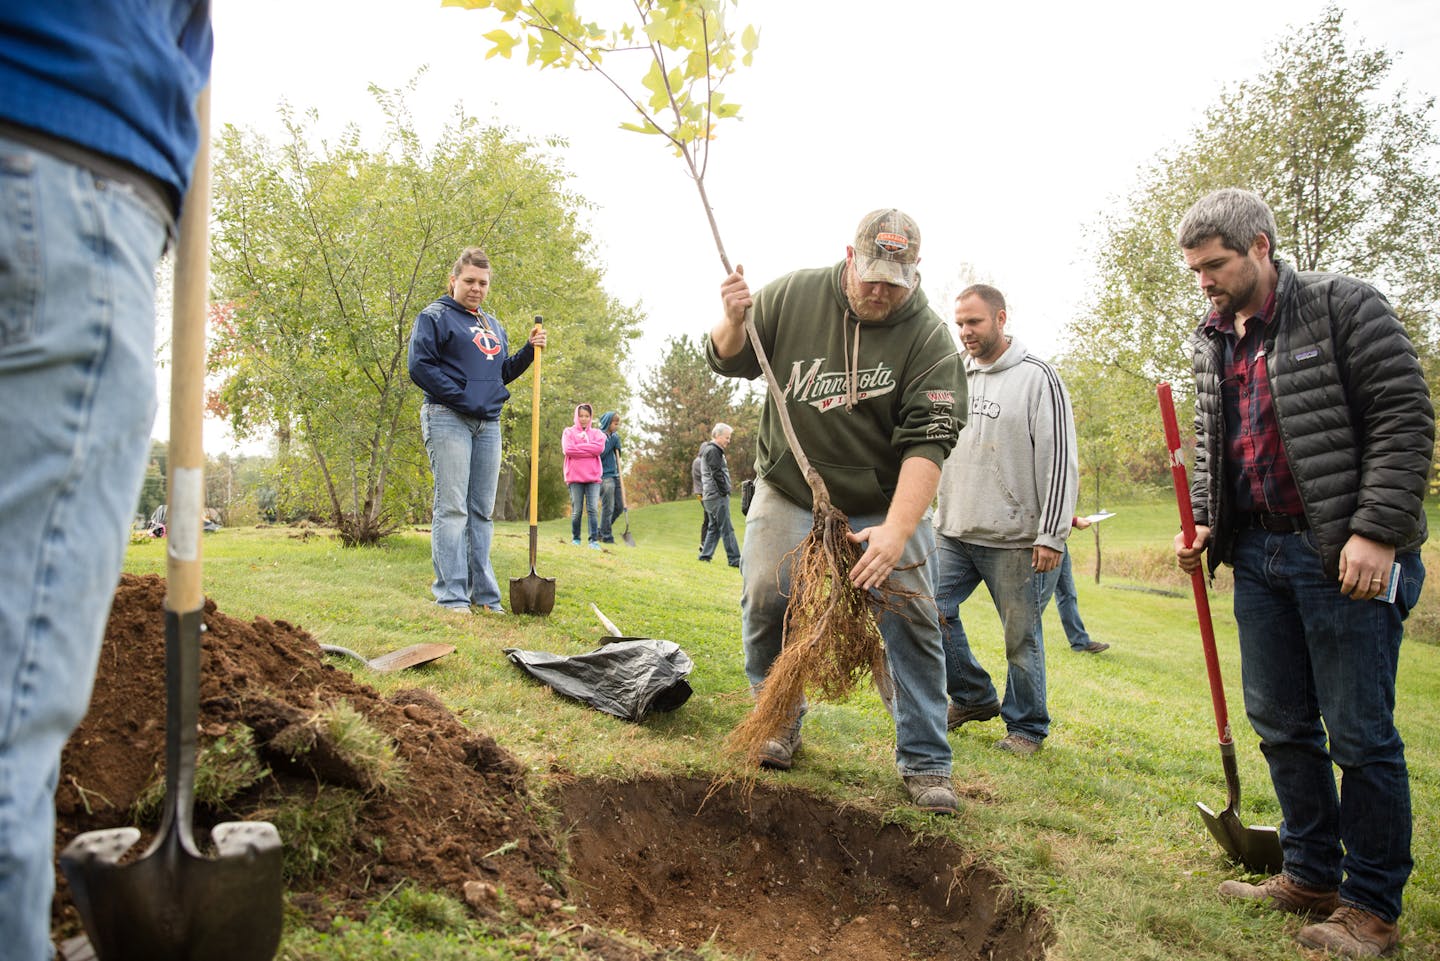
x=1094, y=518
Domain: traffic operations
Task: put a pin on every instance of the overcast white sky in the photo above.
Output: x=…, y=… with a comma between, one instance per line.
x=1005, y=129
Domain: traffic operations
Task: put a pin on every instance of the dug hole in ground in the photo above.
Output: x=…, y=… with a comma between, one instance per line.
x=772, y=874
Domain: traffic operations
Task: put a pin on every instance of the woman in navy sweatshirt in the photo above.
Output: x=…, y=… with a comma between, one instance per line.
x=459, y=356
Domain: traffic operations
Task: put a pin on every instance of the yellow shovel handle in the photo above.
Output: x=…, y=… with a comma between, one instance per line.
x=186, y=488
x=535, y=434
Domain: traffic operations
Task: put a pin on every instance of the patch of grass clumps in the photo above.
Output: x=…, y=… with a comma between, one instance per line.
x=411, y=909
x=224, y=768
x=344, y=748
x=314, y=829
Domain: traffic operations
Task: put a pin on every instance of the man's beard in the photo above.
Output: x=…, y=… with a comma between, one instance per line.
x=868, y=310
x=1242, y=295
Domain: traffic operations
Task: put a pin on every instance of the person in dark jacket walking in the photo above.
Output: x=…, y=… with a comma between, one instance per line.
x=459, y=356
x=1314, y=434
x=715, y=494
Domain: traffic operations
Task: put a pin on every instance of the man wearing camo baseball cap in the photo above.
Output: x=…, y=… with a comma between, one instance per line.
x=876, y=392
x=887, y=249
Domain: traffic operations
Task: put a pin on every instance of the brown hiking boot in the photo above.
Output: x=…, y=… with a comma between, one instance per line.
x=1281, y=893
x=1351, y=933
x=1015, y=744
x=778, y=753
x=932, y=792
x=955, y=715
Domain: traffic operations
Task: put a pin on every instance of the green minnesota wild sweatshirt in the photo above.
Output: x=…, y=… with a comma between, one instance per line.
x=863, y=396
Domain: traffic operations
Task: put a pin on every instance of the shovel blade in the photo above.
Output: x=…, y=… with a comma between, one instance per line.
x=412, y=656
x=532, y=594
x=173, y=906
x=1257, y=848
x=627, y=538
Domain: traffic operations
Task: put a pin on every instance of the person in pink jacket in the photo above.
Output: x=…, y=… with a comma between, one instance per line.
x=583, y=445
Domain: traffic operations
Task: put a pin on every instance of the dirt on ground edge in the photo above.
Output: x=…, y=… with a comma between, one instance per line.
x=779, y=874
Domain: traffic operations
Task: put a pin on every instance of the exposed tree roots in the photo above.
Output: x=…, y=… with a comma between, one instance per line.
x=831, y=637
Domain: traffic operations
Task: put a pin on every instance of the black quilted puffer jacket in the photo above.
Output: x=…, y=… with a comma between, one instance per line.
x=1355, y=417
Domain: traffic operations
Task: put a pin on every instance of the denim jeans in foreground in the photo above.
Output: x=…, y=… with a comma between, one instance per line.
x=1020, y=596
x=77, y=401
x=719, y=529
x=773, y=528
x=465, y=459
x=585, y=497
x=1315, y=661
x=1067, y=605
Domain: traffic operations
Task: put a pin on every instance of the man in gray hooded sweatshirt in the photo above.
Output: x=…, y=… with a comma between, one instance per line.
x=1007, y=493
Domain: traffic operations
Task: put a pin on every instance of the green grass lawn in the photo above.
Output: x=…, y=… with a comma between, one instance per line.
x=1100, y=828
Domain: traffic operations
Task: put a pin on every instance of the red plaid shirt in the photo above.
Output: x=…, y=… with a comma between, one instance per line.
x=1255, y=465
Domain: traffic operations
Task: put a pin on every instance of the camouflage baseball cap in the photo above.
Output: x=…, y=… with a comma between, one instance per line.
x=887, y=248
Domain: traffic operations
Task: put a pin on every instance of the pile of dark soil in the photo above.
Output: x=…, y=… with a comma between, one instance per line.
x=778, y=875
x=461, y=796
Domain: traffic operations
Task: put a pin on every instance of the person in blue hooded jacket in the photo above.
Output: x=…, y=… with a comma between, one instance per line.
x=612, y=498
x=99, y=132
x=460, y=357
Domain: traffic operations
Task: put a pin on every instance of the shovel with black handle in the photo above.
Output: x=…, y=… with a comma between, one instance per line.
x=173, y=903
x=1258, y=848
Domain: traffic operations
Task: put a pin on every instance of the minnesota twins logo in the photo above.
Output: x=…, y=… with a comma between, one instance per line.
x=487, y=340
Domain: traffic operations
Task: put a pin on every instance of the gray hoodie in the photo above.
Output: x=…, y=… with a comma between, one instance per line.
x=1013, y=477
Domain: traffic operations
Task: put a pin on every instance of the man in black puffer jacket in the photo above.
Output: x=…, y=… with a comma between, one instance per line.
x=1314, y=436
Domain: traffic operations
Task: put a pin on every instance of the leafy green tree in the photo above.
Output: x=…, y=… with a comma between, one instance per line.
x=685, y=399
x=1347, y=163
x=325, y=252
x=685, y=51
x=1121, y=454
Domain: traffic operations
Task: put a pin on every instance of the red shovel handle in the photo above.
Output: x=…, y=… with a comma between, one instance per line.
x=1197, y=576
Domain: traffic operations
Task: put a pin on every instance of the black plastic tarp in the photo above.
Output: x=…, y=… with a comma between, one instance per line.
x=628, y=679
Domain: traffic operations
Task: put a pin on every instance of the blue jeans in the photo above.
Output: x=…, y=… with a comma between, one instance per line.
x=77, y=400
x=1020, y=596
x=611, y=504
x=1313, y=661
x=585, y=497
x=720, y=528
x=465, y=459
x=773, y=528
x=1067, y=605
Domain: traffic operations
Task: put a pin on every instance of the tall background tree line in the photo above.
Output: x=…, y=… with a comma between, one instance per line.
x=1347, y=160
x=324, y=253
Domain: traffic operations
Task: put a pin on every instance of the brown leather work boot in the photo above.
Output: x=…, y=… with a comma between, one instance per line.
x=955, y=715
x=932, y=792
x=1281, y=893
x=1351, y=932
x=778, y=753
